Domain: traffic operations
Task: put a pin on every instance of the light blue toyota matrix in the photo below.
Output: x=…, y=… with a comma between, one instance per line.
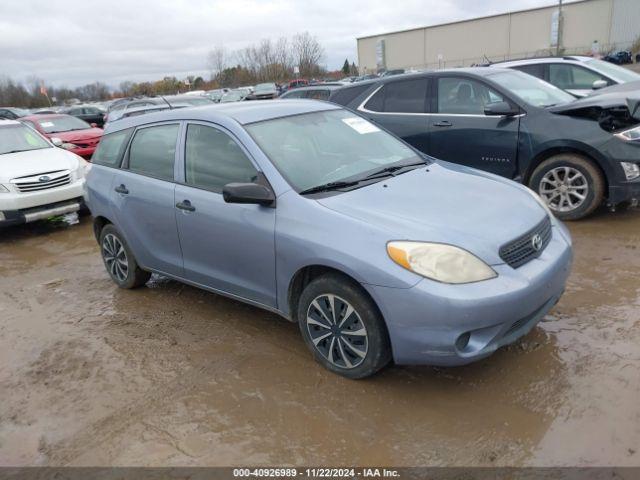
x=309, y=210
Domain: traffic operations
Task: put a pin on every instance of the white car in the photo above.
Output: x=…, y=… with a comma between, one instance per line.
x=37, y=179
x=576, y=74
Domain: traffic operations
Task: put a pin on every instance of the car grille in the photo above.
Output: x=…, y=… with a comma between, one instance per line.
x=42, y=181
x=521, y=250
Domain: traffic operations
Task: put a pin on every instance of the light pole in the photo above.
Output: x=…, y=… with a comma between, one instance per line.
x=559, y=40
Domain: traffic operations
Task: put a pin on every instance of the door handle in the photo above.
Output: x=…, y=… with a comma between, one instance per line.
x=122, y=189
x=443, y=123
x=186, y=205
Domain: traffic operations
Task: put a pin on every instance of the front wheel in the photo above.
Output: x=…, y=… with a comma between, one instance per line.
x=571, y=185
x=343, y=327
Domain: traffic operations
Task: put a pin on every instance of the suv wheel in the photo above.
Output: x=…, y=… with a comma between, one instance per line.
x=119, y=260
x=342, y=327
x=570, y=185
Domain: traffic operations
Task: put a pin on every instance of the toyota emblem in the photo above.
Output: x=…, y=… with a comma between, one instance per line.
x=44, y=178
x=536, y=242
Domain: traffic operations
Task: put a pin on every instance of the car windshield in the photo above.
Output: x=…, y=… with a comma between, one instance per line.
x=317, y=148
x=265, y=87
x=20, y=138
x=62, y=124
x=532, y=90
x=20, y=112
x=232, y=97
x=610, y=70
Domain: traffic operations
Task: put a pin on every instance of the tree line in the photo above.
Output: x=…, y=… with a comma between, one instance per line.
x=29, y=95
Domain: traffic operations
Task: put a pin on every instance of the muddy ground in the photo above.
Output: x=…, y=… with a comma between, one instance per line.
x=171, y=375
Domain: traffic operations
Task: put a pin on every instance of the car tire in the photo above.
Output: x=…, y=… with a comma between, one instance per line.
x=119, y=260
x=353, y=355
x=561, y=178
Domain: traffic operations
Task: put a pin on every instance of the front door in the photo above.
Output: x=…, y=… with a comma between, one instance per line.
x=227, y=247
x=461, y=133
x=143, y=198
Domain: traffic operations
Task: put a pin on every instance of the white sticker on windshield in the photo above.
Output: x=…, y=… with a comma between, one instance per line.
x=360, y=125
x=46, y=124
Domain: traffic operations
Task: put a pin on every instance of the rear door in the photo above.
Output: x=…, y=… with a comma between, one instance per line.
x=461, y=133
x=400, y=107
x=143, y=198
x=229, y=247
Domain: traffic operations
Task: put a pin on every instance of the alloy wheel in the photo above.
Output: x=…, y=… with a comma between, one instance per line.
x=115, y=257
x=564, y=189
x=337, y=331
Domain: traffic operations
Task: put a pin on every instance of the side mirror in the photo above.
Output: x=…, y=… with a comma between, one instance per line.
x=500, y=108
x=248, y=193
x=56, y=141
x=93, y=125
x=598, y=84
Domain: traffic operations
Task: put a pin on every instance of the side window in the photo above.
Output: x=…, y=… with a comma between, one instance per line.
x=75, y=111
x=537, y=70
x=111, y=148
x=464, y=96
x=153, y=150
x=213, y=159
x=567, y=76
x=295, y=94
x=407, y=96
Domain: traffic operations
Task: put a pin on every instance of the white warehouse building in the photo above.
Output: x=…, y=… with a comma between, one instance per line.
x=580, y=27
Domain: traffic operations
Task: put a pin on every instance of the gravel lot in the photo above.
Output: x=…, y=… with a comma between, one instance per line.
x=171, y=375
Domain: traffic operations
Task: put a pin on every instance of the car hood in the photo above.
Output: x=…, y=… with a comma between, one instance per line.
x=445, y=203
x=602, y=101
x=77, y=135
x=23, y=164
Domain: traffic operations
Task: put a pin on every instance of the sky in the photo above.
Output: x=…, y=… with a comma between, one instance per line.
x=75, y=42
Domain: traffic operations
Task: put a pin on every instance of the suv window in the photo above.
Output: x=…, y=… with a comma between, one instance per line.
x=153, y=150
x=407, y=96
x=464, y=96
x=111, y=148
x=213, y=159
x=346, y=95
x=537, y=69
x=567, y=76
x=320, y=94
x=295, y=94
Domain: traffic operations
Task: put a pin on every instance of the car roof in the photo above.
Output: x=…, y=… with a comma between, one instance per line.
x=479, y=71
x=537, y=60
x=240, y=112
x=5, y=122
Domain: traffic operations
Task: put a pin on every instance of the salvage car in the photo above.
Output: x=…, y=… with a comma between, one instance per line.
x=264, y=91
x=11, y=113
x=37, y=180
x=576, y=74
x=317, y=92
x=576, y=154
x=67, y=132
x=308, y=210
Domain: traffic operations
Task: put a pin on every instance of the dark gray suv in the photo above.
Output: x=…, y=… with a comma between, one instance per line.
x=576, y=154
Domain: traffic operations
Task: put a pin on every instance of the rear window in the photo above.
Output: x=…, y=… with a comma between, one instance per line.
x=346, y=95
x=111, y=148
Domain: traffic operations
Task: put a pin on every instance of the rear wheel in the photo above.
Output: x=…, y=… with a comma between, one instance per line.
x=119, y=260
x=343, y=327
x=571, y=185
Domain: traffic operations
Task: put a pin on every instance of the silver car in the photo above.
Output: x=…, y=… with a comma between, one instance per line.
x=309, y=210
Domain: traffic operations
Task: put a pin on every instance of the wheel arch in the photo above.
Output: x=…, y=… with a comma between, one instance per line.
x=99, y=223
x=584, y=151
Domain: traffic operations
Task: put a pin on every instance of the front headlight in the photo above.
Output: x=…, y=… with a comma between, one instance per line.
x=631, y=135
x=83, y=168
x=440, y=262
x=631, y=170
x=69, y=146
x=4, y=189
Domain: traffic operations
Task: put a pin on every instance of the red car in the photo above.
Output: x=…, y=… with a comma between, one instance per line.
x=76, y=135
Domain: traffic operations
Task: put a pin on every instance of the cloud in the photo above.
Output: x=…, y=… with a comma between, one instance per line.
x=74, y=42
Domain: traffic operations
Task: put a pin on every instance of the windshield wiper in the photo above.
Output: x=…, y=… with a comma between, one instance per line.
x=326, y=187
x=393, y=168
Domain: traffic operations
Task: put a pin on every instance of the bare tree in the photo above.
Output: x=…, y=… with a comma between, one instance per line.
x=307, y=53
x=217, y=60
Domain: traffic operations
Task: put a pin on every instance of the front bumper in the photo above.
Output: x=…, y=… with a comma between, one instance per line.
x=624, y=192
x=439, y=324
x=85, y=153
x=18, y=217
